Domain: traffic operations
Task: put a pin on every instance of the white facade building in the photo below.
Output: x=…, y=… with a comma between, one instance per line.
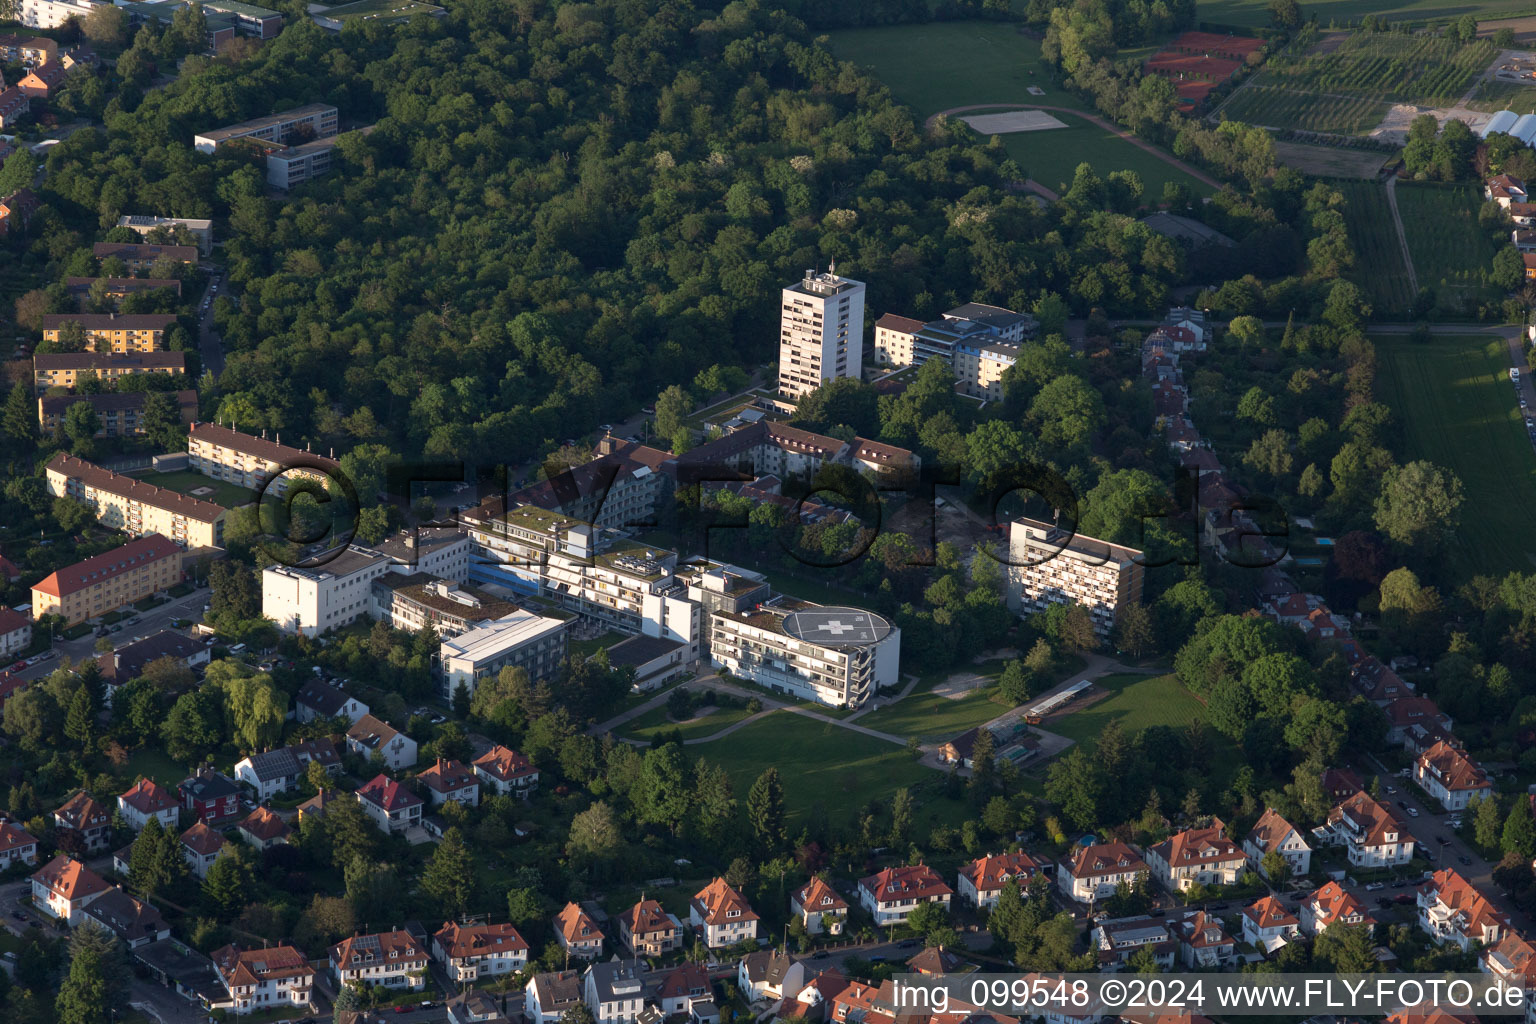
x=821, y=332
x=1050, y=565
x=535, y=643
x=54, y=13
x=834, y=656
x=329, y=596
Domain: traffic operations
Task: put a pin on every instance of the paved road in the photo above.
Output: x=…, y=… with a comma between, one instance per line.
x=1115, y=129
x=209, y=345
x=152, y=621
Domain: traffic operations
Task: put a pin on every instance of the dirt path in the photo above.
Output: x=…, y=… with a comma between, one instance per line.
x=1172, y=161
x=1402, y=239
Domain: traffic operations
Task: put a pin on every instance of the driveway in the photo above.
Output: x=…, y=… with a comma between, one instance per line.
x=209, y=345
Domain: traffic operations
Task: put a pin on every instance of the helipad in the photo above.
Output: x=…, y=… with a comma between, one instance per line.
x=837, y=627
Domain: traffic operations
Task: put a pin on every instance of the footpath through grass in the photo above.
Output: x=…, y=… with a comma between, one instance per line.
x=1379, y=268
x=1457, y=408
x=1451, y=252
x=932, y=717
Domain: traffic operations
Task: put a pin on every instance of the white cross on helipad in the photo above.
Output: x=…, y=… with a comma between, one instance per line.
x=836, y=627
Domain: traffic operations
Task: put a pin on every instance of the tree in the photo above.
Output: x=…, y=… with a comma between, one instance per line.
x=193, y=727
x=1276, y=868
x=1285, y=14
x=156, y=864
x=1073, y=783
x=577, y=1013
x=19, y=420
x=1133, y=630
x=1016, y=683
x=1346, y=949
x=1077, y=630
x=1487, y=823
x=449, y=877
x=225, y=885
x=80, y=719
x=672, y=406
x=665, y=788
x=1419, y=505
x=106, y=26
x=1519, y=835
x=84, y=997
x=765, y=812
x=461, y=700
x=595, y=834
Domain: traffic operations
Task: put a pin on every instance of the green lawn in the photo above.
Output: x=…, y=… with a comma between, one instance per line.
x=377, y=8
x=587, y=648
x=825, y=764
x=1379, y=267
x=1451, y=253
x=974, y=62
x=962, y=62
x=185, y=481
x=1255, y=13
x=155, y=764
x=1458, y=410
x=933, y=718
x=1136, y=702
x=654, y=721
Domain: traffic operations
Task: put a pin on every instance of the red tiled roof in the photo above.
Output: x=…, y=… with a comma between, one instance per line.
x=1198, y=846
x=717, y=898
x=134, y=555
x=909, y=881
x=69, y=879
x=447, y=776
x=253, y=966
x=1270, y=913
x=202, y=840
x=989, y=873
x=385, y=792
x=14, y=838
x=392, y=947
x=264, y=826
x=1453, y=769
x=505, y=765
x=816, y=895
x=1333, y=904
x=460, y=941
x=1113, y=858
x=148, y=797
x=82, y=812
x=574, y=925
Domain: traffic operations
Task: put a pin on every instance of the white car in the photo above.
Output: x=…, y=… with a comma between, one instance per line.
x=1413, y=812
x=1375, y=886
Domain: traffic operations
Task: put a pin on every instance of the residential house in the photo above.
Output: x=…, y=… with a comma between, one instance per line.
x=1416, y=722
x=1092, y=873
x=124, y=664
x=614, y=991
x=1273, y=834
x=134, y=922
x=982, y=880
x=16, y=846
x=200, y=847
x=18, y=209
x=819, y=907
x=1340, y=784
x=392, y=807
x=1512, y=959
x=1330, y=905
x=1203, y=941
x=683, y=990
x=82, y=826
x=1115, y=941
x=319, y=699
x=275, y=771
x=1197, y=856
x=894, y=893
x=472, y=951
x=506, y=772
x=1450, y=776
x=369, y=736
x=1268, y=925
x=549, y=995
x=1504, y=189
x=256, y=980
x=64, y=887
x=577, y=933
x=147, y=799
x=448, y=779
x=317, y=804
x=769, y=974
x=1370, y=832
x=15, y=633
x=721, y=915
x=263, y=829
x=937, y=961
x=395, y=959
x=1453, y=912
x=14, y=107
x=646, y=929
x=212, y=796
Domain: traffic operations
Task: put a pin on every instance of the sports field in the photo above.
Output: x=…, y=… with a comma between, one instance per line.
x=1451, y=253
x=975, y=62
x=1379, y=265
x=1255, y=13
x=1458, y=410
x=825, y=764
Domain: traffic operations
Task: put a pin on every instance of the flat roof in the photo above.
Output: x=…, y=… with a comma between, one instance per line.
x=344, y=564
x=248, y=10
x=255, y=124
x=487, y=641
x=638, y=650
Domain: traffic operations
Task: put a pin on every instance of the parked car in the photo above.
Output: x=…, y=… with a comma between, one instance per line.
x=820, y=954
x=1443, y=841
x=1413, y=812
x=1465, y=861
x=1375, y=886
x=1403, y=897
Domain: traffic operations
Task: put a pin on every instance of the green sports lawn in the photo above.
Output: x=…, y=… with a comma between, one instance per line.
x=825, y=764
x=974, y=62
x=1458, y=410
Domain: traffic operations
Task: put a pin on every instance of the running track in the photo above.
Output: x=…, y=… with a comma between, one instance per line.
x=1173, y=161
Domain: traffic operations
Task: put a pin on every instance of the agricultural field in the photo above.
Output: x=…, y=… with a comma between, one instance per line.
x=1330, y=161
x=1275, y=107
x=1492, y=96
x=1466, y=418
x=1378, y=254
x=1451, y=252
x=1255, y=13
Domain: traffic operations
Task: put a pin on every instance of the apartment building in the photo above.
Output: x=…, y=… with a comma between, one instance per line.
x=42, y=80
x=836, y=656
x=136, y=507
x=891, y=895
x=394, y=959
x=1050, y=565
x=1092, y=873
x=1453, y=912
x=272, y=978
x=117, y=288
x=418, y=600
x=522, y=639
x=627, y=586
x=123, y=332
x=977, y=341
x=248, y=461
x=15, y=106
x=141, y=256
x=1450, y=776
x=54, y=13
x=143, y=224
x=311, y=601
x=301, y=124
x=109, y=581
x=1197, y=856
x=28, y=50
x=119, y=413
x=821, y=332
x=63, y=369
